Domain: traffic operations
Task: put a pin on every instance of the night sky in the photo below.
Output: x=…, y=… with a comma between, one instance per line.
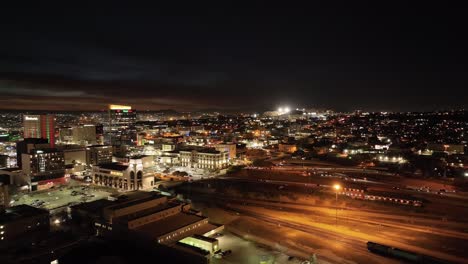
x=234, y=58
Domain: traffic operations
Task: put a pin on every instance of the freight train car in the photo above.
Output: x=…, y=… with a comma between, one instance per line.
x=402, y=254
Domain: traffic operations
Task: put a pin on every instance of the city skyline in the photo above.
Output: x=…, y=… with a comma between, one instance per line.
x=222, y=133
x=377, y=58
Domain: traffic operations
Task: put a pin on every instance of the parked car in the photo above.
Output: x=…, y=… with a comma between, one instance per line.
x=227, y=252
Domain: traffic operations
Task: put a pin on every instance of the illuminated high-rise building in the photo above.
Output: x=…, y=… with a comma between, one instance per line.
x=44, y=167
x=122, y=119
x=40, y=126
x=27, y=145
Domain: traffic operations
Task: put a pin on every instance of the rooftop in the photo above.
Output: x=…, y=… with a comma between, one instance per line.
x=169, y=224
x=20, y=211
x=113, y=166
x=94, y=206
x=130, y=202
x=201, y=150
x=124, y=200
x=148, y=211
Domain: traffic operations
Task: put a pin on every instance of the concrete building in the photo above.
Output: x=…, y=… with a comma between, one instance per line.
x=65, y=135
x=169, y=158
x=146, y=160
x=288, y=148
x=44, y=168
x=129, y=176
x=73, y=154
x=5, y=182
x=98, y=154
x=206, y=158
x=28, y=144
x=166, y=147
x=206, y=243
x=448, y=148
x=84, y=135
x=79, y=135
x=23, y=224
x=40, y=126
x=121, y=129
x=154, y=217
x=230, y=148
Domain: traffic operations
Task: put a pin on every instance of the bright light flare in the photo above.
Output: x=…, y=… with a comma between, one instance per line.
x=337, y=187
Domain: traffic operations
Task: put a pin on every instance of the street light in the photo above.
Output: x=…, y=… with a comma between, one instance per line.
x=337, y=187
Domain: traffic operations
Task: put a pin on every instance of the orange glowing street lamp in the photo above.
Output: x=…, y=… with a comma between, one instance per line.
x=337, y=187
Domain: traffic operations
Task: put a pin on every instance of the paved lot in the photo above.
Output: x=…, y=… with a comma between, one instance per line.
x=248, y=252
x=59, y=197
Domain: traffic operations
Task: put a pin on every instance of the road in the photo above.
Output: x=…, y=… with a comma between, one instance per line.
x=411, y=231
x=436, y=203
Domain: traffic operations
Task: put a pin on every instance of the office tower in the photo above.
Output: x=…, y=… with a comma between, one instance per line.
x=84, y=135
x=40, y=126
x=122, y=121
x=100, y=133
x=44, y=167
x=27, y=145
x=98, y=154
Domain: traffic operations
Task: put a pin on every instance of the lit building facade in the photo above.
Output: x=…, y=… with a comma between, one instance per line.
x=40, y=126
x=227, y=147
x=44, y=168
x=163, y=220
x=121, y=128
x=204, y=159
x=79, y=135
x=98, y=154
x=125, y=177
x=28, y=144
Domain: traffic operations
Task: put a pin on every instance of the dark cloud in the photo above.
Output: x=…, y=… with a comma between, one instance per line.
x=344, y=57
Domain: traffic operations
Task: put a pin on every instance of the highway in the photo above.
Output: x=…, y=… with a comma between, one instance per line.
x=414, y=232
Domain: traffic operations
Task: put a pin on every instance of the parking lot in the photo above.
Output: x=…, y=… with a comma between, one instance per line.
x=63, y=196
x=248, y=252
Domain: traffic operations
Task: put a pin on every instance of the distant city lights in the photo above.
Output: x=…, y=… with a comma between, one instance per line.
x=284, y=110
